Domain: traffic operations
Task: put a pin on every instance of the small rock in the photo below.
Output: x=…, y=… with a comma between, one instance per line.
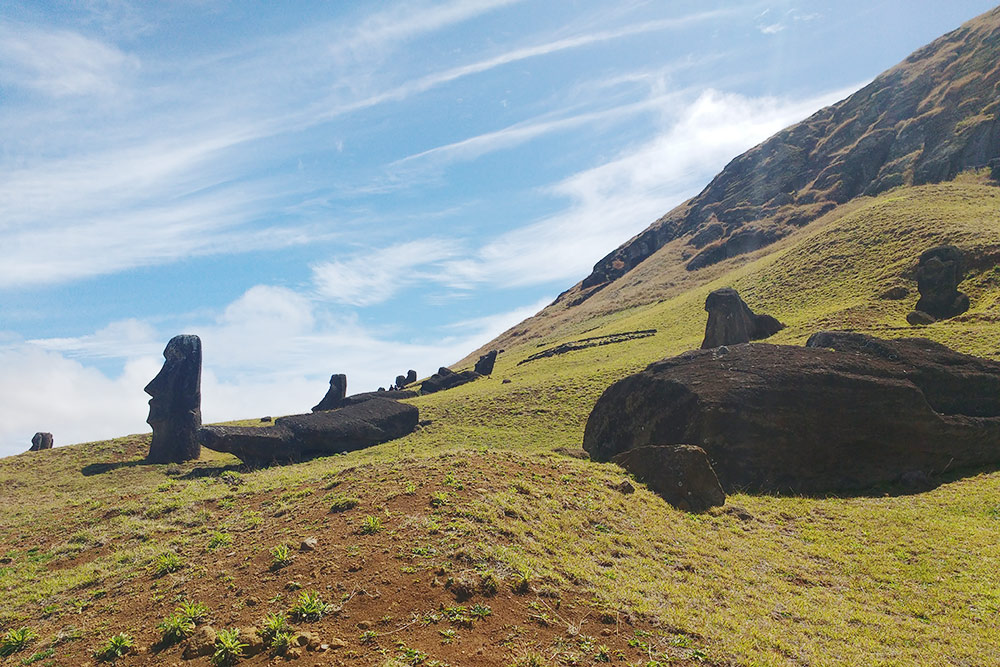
x=625, y=487
x=308, y=544
x=505, y=381
x=254, y=642
x=201, y=643
x=265, y=419
x=894, y=293
x=920, y=318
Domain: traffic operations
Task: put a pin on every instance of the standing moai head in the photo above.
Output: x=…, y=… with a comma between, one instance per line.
x=41, y=441
x=175, y=406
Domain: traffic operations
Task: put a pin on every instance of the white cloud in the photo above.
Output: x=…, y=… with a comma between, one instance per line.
x=270, y=352
x=61, y=63
x=611, y=202
x=367, y=279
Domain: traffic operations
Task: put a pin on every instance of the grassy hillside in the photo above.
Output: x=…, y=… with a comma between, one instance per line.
x=487, y=506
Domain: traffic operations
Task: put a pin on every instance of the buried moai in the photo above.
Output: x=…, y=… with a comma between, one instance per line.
x=175, y=406
x=939, y=272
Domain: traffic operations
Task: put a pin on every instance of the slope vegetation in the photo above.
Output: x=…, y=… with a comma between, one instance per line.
x=486, y=505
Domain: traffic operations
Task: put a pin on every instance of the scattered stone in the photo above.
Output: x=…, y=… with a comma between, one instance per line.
x=939, y=272
x=308, y=544
x=573, y=452
x=844, y=413
x=894, y=293
x=446, y=378
x=41, y=441
x=731, y=322
x=505, y=381
x=624, y=487
x=920, y=318
x=175, y=406
x=265, y=420
x=680, y=474
x=201, y=643
x=334, y=395
x=486, y=362
x=300, y=437
x=253, y=641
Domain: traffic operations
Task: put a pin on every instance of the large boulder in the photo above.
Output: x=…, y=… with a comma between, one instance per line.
x=844, y=413
x=175, y=406
x=939, y=272
x=41, y=441
x=299, y=437
x=680, y=474
x=731, y=322
x=334, y=397
x=446, y=378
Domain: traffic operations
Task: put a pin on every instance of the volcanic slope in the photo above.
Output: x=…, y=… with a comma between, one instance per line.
x=481, y=540
x=923, y=121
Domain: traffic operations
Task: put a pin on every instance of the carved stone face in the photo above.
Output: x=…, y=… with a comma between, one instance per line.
x=175, y=406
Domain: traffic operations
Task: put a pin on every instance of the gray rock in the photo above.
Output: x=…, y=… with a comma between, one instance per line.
x=175, y=406
x=680, y=474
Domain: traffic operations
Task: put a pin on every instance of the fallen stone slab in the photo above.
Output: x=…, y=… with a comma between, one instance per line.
x=299, y=437
x=680, y=474
x=446, y=378
x=843, y=414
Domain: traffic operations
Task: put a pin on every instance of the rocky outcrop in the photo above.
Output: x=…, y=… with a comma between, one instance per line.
x=446, y=378
x=41, y=441
x=844, y=413
x=175, y=406
x=922, y=121
x=486, y=362
x=300, y=437
x=334, y=397
x=680, y=474
x=731, y=322
x=939, y=272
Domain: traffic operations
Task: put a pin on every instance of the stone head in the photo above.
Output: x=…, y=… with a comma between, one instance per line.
x=177, y=387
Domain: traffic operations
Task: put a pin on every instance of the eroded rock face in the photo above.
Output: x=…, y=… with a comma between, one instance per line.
x=842, y=414
x=300, y=437
x=680, y=474
x=41, y=441
x=175, y=406
x=939, y=272
x=731, y=322
x=335, y=394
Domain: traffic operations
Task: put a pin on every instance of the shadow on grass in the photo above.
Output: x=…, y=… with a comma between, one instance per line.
x=101, y=468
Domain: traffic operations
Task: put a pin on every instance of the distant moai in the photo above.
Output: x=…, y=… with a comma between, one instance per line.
x=41, y=441
x=175, y=406
x=335, y=395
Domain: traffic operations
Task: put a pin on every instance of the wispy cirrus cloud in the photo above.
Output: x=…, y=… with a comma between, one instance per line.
x=61, y=63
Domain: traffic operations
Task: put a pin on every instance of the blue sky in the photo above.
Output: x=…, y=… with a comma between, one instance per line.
x=320, y=187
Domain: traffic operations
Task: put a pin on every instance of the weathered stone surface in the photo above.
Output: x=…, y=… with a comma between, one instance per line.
x=175, y=406
x=446, y=378
x=299, y=437
x=486, y=362
x=41, y=441
x=939, y=271
x=680, y=474
x=411, y=376
x=335, y=394
x=730, y=320
x=396, y=395
x=845, y=413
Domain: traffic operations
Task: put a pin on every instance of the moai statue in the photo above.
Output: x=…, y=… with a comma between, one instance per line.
x=335, y=394
x=41, y=441
x=175, y=406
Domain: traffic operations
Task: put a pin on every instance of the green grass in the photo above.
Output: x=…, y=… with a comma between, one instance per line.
x=894, y=580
